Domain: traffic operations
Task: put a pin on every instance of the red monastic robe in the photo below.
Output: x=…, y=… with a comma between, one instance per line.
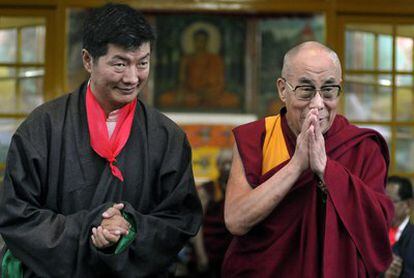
x=345, y=236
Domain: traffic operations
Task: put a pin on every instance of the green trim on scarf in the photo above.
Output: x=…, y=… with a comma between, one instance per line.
x=125, y=241
x=11, y=266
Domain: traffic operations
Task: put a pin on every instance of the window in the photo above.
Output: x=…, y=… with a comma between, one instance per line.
x=22, y=70
x=379, y=88
x=22, y=57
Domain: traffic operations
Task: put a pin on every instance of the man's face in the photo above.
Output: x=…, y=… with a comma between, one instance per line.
x=401, y=207
x=311, y=67
x=119, y=75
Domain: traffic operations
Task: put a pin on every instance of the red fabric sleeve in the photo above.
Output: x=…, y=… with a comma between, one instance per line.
x=357, y=196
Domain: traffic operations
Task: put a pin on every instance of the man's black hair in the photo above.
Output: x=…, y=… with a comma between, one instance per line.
x=405, y=188
x=116, y=24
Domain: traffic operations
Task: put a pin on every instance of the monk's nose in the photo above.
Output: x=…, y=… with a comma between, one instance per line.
x=317, y=101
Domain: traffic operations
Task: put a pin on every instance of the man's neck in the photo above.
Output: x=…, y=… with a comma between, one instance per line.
x=401, y=227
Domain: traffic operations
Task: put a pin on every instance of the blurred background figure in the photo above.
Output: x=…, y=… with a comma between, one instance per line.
x=212, y=240
x=401, y=233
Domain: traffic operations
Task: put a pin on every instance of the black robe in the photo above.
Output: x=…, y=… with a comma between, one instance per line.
x=404, y=248
x=56, y=189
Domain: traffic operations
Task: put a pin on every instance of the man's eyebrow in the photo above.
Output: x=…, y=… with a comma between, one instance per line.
x=330, y=81
x=119, y=57
x=125, y=59
x=305, y=80
x=144, y=57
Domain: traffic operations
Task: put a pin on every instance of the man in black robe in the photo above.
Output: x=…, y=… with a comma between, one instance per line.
x=97, y=184
x=401, y=234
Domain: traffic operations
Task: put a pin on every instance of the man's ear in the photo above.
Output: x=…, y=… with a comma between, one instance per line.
x=281, y=88
x=87, y=60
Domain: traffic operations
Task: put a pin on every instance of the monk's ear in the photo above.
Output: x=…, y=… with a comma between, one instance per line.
x=87, y=60
x=281, y=88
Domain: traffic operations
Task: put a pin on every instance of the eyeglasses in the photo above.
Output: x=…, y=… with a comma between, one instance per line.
x=308, y=92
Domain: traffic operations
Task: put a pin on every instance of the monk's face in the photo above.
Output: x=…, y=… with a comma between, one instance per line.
x=316, y=68
x=118, y=76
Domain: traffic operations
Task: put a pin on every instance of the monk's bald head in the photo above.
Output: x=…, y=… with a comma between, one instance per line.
x=308, y=48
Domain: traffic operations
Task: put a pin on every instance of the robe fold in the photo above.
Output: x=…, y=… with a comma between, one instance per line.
x=306, y=235
x=56, y=189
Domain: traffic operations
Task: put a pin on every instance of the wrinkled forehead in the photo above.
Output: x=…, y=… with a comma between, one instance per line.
x=321, y=66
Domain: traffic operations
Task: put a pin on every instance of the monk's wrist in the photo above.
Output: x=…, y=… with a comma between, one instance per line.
x=296, y=165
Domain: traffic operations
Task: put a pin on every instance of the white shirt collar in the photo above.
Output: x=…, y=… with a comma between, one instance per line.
x=401, y=228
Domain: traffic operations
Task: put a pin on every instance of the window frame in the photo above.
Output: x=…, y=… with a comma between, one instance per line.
x=393, y=123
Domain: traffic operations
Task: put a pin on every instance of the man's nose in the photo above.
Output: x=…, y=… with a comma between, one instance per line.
x=130, y=75
x=317, y=101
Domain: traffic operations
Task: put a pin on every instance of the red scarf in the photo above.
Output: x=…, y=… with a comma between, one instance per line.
x=106, y=147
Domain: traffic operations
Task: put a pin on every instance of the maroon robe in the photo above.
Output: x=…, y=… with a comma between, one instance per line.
x=304, y=237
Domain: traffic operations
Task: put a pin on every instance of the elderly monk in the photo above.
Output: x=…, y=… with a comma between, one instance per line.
x=306, y=197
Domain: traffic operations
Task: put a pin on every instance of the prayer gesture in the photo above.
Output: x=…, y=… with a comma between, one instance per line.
x=301, y=155
x=310, y=145
x=317, y=153
x=112, y=227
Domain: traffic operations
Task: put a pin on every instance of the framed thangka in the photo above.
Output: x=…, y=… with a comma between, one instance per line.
x=278, y=35
x=200, y=63
x=208, y=135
